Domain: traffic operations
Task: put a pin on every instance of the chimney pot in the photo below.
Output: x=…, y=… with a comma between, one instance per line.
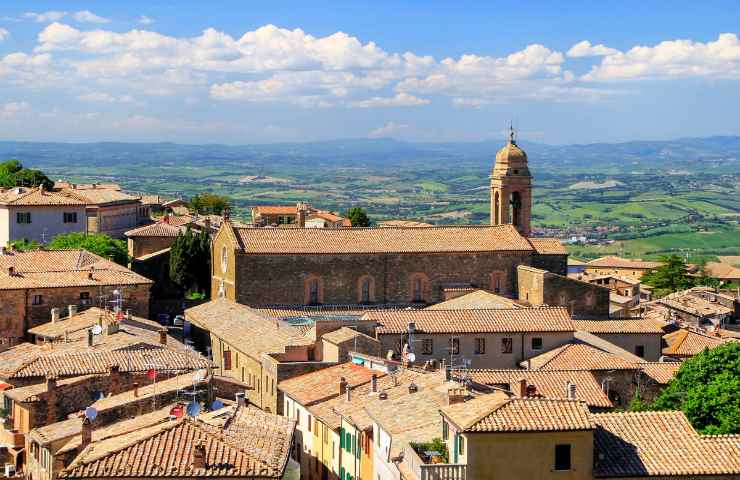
x=89, y=275
x=136, y=389
x=413, y=388
x=349, y=393
x=54, y=315
x=374, y=383
x=199, y=455
x=241, y=399
x=342, y=386
x=11, y=270
x=523, y=387
x=163, y=337
x=90, y=337
x=72, y=310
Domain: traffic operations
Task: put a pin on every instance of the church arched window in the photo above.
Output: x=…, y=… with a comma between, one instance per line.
x=419, y=288
x=496, y=208
x=366, y=289
x=314, y=290
x=516, y=208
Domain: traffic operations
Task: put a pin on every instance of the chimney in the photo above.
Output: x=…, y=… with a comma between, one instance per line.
x=136, y=389
x=349, y=393
x=241, y=399
x=51, y=400
x=342, y=385
x=456, y=395
x=86, y=437
x=570, y=390
x=72, y=310
x=163, y=337
x=413, y=388
x=90, y=275
x=523, y=387
x=54, y=315
x=374, y=383
x=89, y=337
x=115, y=379
x=11, y=270
x=302, y=210
x=166, y=218
x=199, y=455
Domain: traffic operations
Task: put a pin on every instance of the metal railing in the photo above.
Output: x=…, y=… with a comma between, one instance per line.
x=432, y=471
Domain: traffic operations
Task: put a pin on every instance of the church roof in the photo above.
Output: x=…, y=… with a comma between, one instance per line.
x=441, y=239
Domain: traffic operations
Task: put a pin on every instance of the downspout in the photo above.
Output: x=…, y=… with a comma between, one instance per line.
x=522, y=348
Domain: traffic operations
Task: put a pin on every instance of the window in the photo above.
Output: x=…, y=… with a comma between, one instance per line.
x=227, y=360
x=640, y=351
x=37, y=300
x=562, y=457
x=480, y=346
x=445, y=430
x=507, y=345
x=70, y=217
x=537, y=343
x=224, y=259
x=23, y=217
x=455, y=346
x=309, y=423
x=418, y=294
x=461, y=445
x=313, y=290
x=366, y=290
x=427, y=346
x=84, y=295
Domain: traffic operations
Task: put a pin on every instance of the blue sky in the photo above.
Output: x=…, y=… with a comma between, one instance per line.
x=252, y=72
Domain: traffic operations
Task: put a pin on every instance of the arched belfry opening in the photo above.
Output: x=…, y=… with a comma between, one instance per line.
x=511, y=188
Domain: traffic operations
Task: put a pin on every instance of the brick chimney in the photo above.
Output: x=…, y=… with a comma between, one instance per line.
x=456, y=395
x=136, y=389
x=86, y=436
x=54, y=315
x=302, y=210
x=11, y=270
x=72, y=309
x=51, y=400
x=349, y=393
x=523, y=387
x=374, y=383
x=199, y=455
x=115, y=379
x=90, y=337
x=163, y=337
x=342, y=386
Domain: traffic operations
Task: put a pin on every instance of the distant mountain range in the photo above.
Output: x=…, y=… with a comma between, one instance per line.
x=720, y=153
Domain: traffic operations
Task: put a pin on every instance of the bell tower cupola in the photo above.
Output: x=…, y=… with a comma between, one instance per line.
x=511, y=188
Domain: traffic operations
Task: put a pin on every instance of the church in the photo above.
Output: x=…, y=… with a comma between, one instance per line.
x=391, y=265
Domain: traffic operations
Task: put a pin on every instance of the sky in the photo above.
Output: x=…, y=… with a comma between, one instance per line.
x=240, y=72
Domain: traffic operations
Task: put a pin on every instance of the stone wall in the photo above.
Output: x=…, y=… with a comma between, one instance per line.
x=139, y=246
x=553, y=263
x=281, y=279
x=539, y=287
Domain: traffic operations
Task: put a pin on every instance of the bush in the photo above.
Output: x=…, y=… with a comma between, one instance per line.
x=97, y=243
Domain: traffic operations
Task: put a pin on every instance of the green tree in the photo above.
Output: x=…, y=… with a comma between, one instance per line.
x=190, y=261
x=97, y=243
x=637, y=404
x=209, y=203
x=358, y=217
x=707, y=389
x=13, y=174
x=670, y=277
x=24, y=245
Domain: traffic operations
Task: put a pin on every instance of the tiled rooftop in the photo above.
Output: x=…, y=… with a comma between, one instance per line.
x=477, y=299
x=248, y=330
x=547, y=246
x=253, y=444
x=63, y=268
x=578, y=356
x=84, y=320
x=403, y=223
x=617, y=262
x=26, y=196
x=345, y=334
x=320, y=385
x=543, y=319
x=659, y=444
x=661, y=372
x=549, y=383
x=617, y=326
x=519, y=415
x=101, y=196
x=687, y=343
x=381, y=240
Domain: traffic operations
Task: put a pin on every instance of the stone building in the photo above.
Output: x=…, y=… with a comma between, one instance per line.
x=541, y=287
x=33, y=283
x=389, y=265
x=111, y=211
x=300, y=215
x=612, y=265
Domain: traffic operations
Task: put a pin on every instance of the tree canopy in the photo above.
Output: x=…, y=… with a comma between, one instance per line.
x=97, y=243
x=190, y=261
x=209, y=203
x=671, y=277
x=358, y=217
x=707, y=389
x=14, y=174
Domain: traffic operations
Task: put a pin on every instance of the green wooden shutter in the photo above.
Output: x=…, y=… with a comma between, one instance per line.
x=455, y=447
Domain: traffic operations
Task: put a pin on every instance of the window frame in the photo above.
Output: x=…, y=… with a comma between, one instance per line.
x=538, y=341
x=454, y=345
x=480, y=345
x=23, y=218
x=69, y=217
x=562, y=449
x=507, y=345
x=640, y=351
x=427, y=342
x=40, y=300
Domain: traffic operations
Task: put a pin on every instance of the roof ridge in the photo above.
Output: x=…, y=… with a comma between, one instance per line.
x=480, y=417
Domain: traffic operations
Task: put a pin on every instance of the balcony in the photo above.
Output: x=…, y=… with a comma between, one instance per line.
x=432, y=471
x=11, y=438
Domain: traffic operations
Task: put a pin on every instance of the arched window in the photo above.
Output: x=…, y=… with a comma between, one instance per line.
x=419, y=288
x=496, y=208
x=314, y=290
x=224, y=259
x=366, y=289
x=516, y=208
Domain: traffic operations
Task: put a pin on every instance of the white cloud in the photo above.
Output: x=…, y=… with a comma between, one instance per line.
x=22, y=68
x=44, y=17
x=11, y=109
x=4, y=34
x=86, y=16
x=387, y=130
x=144, y=20
x=400, y=100
x=105, y=97
x=672, y=59
x=585, y=49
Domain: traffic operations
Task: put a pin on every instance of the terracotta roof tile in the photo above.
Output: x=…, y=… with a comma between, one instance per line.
x=579, y=356
x=617, y=326
x=659, y=444
x=323, y=384
x=612, y=261
x=661, y=372
x=477, y=299
x=276, y=209
x=545, y=319
x=253, y=444
x=403, y=223
x=158, y=229
x=547, y=246
x=519, y=415
x=84, y=320
x=549, y=383
x=100, y=196
x=345, y=334
x=687, y=343
x=381, y=240
x=24, y=196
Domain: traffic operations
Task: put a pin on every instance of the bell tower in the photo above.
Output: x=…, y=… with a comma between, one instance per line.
x=511, y=188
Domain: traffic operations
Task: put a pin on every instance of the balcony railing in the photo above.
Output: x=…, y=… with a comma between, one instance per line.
x=432, y=471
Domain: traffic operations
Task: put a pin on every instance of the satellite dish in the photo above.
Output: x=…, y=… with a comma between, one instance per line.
x=217, y=405
x=193, y=409
x=411, y=357
x=91, y=413
x=97, y=330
